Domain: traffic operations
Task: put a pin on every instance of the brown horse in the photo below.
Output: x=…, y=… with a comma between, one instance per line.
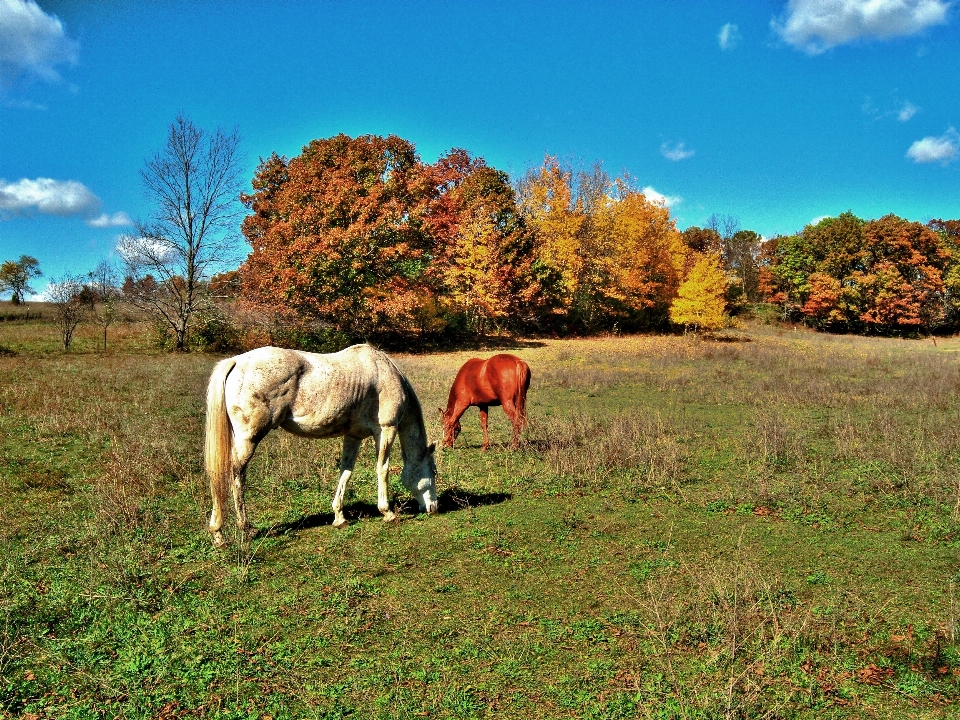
x=501, y=380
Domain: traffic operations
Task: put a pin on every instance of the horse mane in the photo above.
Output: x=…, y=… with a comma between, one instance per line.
x=412, y=421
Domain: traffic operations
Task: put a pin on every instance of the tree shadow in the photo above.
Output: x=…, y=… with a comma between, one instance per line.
x=727, y=338
x=450, y=500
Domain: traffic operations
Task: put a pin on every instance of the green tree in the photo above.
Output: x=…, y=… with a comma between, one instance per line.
x=15, y=277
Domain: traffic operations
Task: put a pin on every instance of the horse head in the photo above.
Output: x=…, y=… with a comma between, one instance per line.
x=451, y=430
x=420, y=478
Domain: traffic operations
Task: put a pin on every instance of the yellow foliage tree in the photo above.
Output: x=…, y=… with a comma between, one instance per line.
x=619, y=257
x=700, y=299
x=475, y=275
x=646, y=253
x=546, y=199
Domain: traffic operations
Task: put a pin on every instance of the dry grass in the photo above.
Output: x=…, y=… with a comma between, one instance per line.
x=588, y=448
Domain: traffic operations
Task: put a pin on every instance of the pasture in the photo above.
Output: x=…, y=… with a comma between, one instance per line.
x=763, y=525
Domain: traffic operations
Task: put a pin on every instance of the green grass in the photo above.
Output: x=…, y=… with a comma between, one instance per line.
x=760, y=527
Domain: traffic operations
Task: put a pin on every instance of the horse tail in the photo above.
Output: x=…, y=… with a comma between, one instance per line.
x=520, y=400
x=218, y=443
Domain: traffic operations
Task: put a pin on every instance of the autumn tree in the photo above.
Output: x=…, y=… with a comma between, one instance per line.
x=338, y=233
x=769, y=287
x=702, y=241
x=484, y=255
x=617, y=256
x=645, y=259
x=361, y=234
x=551, y=210
x=194, y=183
x=902, y=281
x=700, y=302
x=15, y=277
x=885, y=274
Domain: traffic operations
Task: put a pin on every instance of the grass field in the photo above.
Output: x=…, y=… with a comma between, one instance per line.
x=762, y=525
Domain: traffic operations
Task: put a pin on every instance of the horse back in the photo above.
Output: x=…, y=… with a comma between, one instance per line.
x=508, y=377
x=317, y=395
x=471, y=386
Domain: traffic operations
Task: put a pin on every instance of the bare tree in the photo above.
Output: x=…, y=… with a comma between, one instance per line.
x=195, y=183
x=726, y=226
x=104, y=296
x=69, y=306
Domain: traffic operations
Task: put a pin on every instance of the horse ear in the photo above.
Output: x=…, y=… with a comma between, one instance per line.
x=443, y=413
x=431, y=447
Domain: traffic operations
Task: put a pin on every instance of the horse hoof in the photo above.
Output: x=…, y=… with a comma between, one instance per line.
x=390, y=517
x=340, y=524
x=218, y=541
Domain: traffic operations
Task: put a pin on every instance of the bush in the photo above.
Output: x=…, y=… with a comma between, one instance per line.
x=316, y=339
x=215, y=331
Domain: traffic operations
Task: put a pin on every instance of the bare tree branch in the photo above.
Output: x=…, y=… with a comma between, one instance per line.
x=194, y=181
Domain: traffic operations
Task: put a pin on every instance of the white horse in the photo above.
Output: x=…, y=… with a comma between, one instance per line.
x=355, y=393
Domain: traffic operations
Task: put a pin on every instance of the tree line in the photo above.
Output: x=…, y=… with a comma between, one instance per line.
x=359, y=238
x=361, y=235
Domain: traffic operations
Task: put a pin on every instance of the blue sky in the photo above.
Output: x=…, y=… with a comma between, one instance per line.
x=777, y=112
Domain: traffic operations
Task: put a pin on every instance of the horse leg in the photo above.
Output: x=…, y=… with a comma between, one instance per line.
x=216, y=517
x=351, y=448
x=484, y=411
x=515, y=420
x=388, y=433
x=243, y=449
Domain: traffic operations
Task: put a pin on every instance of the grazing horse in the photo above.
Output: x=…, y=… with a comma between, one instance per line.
x=355, y=393
x=501, y=380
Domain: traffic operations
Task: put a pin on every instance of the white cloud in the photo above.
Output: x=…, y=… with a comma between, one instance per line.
x=118, y=219
x=24, y=105
x=818, y=220
x=677, y=152
x=66, y=198
x=32, y=43
x=943, y=149
x=661, y=199
x=728, y=37
x=818, y=25
x=139, y=250
x=907, y=111
x=51, y=197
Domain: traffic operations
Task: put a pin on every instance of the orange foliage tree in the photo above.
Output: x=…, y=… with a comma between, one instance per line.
x=645, y=260
x=360, y=234
x=485, y=265
x=337, y=233
x=881, y=275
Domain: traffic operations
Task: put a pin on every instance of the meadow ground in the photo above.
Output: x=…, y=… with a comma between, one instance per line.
x=762, y=525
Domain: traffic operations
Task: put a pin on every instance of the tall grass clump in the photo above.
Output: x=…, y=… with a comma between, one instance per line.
x=588, y=448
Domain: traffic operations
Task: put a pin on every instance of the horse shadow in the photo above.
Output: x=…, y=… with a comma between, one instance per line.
x=453, y=499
